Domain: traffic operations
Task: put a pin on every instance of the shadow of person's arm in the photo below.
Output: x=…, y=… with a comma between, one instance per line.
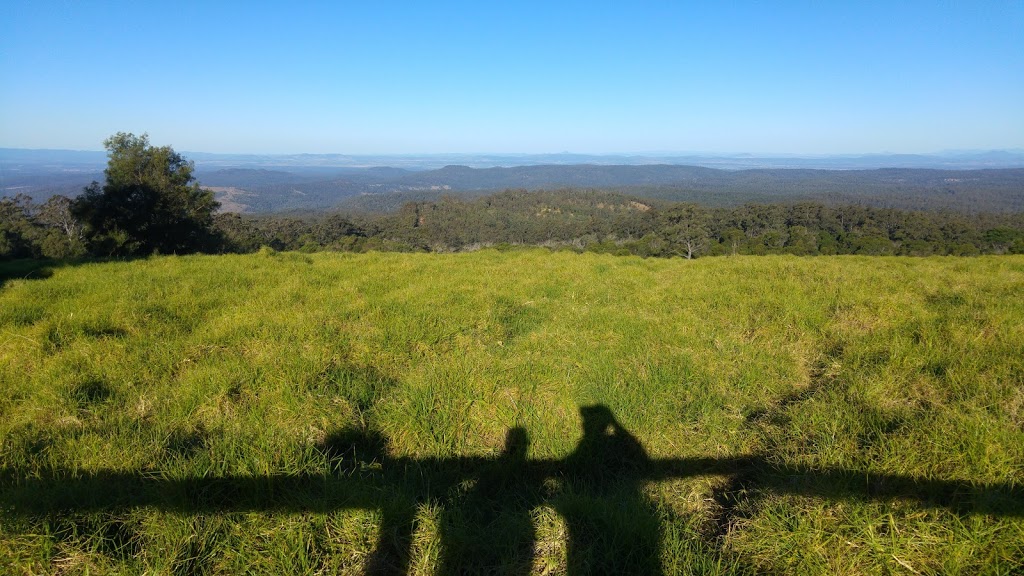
x=393, y=550
x=57, y=490
x=962, y=496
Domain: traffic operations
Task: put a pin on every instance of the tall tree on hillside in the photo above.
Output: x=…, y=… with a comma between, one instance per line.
x=18, y=232
x=149, y=203
x=686, y=226
x=63, y=233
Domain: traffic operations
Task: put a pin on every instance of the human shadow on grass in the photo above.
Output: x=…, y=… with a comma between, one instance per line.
x=487, y=504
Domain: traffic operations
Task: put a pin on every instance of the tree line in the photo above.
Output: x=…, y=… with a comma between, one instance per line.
x=606, y=222
x=151, y=203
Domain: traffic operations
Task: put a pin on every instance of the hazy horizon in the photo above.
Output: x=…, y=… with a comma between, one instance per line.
x=640, y=153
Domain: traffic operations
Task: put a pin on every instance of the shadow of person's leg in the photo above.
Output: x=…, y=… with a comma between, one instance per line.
x=611, y=532
x=393, y=550
x=612, y=528
x=485, y=537
x=490, y=530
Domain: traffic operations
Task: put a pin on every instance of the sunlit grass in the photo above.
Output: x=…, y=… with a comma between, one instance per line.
x=217, y=366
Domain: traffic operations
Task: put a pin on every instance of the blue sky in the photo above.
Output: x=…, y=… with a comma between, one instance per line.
x=586, y=77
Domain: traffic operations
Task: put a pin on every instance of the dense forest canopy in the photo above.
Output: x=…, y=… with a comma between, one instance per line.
x=563, y=219
x=615, y=223
x=152, y=202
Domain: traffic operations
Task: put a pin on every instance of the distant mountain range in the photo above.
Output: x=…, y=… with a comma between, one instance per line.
x=972, y=181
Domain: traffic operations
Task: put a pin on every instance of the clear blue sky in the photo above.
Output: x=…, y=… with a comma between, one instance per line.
x=590, y=77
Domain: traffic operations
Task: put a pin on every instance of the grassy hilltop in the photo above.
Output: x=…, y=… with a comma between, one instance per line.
x=518, y=412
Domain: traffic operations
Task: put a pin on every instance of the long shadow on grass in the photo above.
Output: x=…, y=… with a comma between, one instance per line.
x=43, y=268
x=27, y=270
x=486, y=524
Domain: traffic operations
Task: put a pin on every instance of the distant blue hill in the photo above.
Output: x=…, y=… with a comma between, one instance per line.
x=965, y=181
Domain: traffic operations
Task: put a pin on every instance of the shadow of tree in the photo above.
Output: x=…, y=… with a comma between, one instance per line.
x=486, y=524
x=26, y=270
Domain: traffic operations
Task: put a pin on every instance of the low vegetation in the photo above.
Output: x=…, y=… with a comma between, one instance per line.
x=512, y=412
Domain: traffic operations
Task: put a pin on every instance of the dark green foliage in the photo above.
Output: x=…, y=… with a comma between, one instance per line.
x=166, y=211
x=685, y=227
x=17, y=231
x=316, y=232
x=150, y=202
x=30, y=230
x=62, y=238
x=517, y=217
x=611, y=223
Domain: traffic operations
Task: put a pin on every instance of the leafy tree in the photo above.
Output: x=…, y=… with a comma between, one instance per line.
x=827, y=243
x=872, y=245
x=801, y=241
x=18, y=232
x=63, y=236
x=149, y=203
x=917, y=248
x=733, y=238
x=686, y=225
x=1001, y=239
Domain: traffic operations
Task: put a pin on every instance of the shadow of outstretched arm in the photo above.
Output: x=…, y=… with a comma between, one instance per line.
x=610, y=524
x=58, y=490
x=962, y=496
x=111, y=490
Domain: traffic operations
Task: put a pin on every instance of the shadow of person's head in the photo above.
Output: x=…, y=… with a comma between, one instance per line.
x=350, y=446
x=606, y=448
x=517, y=444
x=598, y=420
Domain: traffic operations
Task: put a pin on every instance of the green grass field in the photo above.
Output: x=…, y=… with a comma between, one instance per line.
x=512, y=412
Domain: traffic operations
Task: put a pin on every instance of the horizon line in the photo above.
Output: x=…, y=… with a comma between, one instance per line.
x=660, y=154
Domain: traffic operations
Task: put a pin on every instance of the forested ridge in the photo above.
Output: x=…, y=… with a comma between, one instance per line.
x=383, y=190
x=272, y=188
x=561, y=219
x=615, y=223
x=152, y=203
